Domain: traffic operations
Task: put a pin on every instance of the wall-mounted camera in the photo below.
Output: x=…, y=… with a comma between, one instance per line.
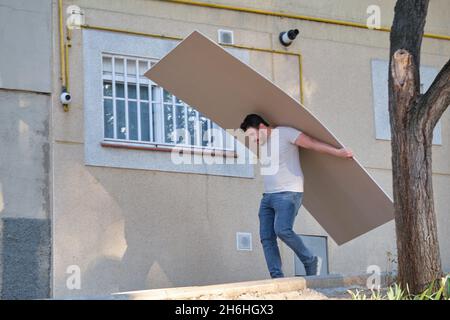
x=286, y=37
x=66, y=98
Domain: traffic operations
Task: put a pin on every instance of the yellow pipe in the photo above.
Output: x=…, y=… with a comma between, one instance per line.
x=66, y=67
x=61, y=45
x=300, y=65
x=63, y=54
x=436, y=36
x=66, y=56
x=296, y=16
x=298, y=55
x=136, y=33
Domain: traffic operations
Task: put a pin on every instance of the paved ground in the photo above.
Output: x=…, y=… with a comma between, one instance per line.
x=306, y=294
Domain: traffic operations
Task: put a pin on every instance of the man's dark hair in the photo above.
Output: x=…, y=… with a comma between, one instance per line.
x=253, y=121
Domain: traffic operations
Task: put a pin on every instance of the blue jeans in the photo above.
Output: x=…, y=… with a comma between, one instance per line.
x=277, y=213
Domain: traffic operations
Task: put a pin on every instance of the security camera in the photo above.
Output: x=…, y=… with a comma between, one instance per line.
x=286, y=37
x=66, y=98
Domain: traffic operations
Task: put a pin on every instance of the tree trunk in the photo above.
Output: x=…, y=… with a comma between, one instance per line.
x=412, y=118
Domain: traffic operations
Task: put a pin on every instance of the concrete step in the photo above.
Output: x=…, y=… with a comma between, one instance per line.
x=321, y=287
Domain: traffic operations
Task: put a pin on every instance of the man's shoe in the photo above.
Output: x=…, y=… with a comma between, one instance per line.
x=314, y=268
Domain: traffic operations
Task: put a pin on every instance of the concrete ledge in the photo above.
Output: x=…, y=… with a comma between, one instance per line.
x=234, y=290
x=227, y=291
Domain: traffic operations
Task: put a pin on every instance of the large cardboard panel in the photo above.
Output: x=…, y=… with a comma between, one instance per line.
x=339, y=193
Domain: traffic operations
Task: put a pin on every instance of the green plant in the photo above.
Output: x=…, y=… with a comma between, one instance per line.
x=357, y=295
x=395, y=292
x=435, y=291
x=376, y=294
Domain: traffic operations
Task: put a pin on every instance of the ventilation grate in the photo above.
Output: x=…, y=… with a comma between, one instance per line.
x=225, y=36
x=244, y=241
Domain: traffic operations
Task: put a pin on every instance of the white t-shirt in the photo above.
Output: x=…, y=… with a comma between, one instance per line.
x=285, y=172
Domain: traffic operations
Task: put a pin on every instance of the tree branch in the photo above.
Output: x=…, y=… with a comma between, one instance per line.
x=435, y=101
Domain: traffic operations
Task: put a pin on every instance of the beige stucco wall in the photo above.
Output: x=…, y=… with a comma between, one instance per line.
x=347, y=10
x=134, y=229
x=25, y=162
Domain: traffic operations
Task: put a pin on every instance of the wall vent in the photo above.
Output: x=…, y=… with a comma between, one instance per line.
x=225, y=36
x=244, y=241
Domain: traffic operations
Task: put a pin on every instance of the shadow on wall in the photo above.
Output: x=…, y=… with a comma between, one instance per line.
x=163, y=249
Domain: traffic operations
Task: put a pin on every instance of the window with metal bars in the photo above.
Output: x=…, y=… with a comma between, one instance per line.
x=137, y=110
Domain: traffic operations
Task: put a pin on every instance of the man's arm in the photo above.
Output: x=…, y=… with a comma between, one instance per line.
x=307, y=142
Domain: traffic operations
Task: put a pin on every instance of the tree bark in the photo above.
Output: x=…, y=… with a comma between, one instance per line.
x=412, y=118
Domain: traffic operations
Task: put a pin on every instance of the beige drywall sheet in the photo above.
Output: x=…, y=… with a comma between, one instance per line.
x=339, y=193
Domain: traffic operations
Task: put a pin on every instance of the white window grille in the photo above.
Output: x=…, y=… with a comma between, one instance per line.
x=136, y=110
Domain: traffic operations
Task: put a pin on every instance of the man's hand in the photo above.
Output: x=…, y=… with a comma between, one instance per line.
x=344, y=153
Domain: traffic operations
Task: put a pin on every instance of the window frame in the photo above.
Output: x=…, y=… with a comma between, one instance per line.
x=98, y=153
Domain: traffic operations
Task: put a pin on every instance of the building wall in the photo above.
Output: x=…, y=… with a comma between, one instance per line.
x=347, y=10
x=130, y=229
x=25, y=206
